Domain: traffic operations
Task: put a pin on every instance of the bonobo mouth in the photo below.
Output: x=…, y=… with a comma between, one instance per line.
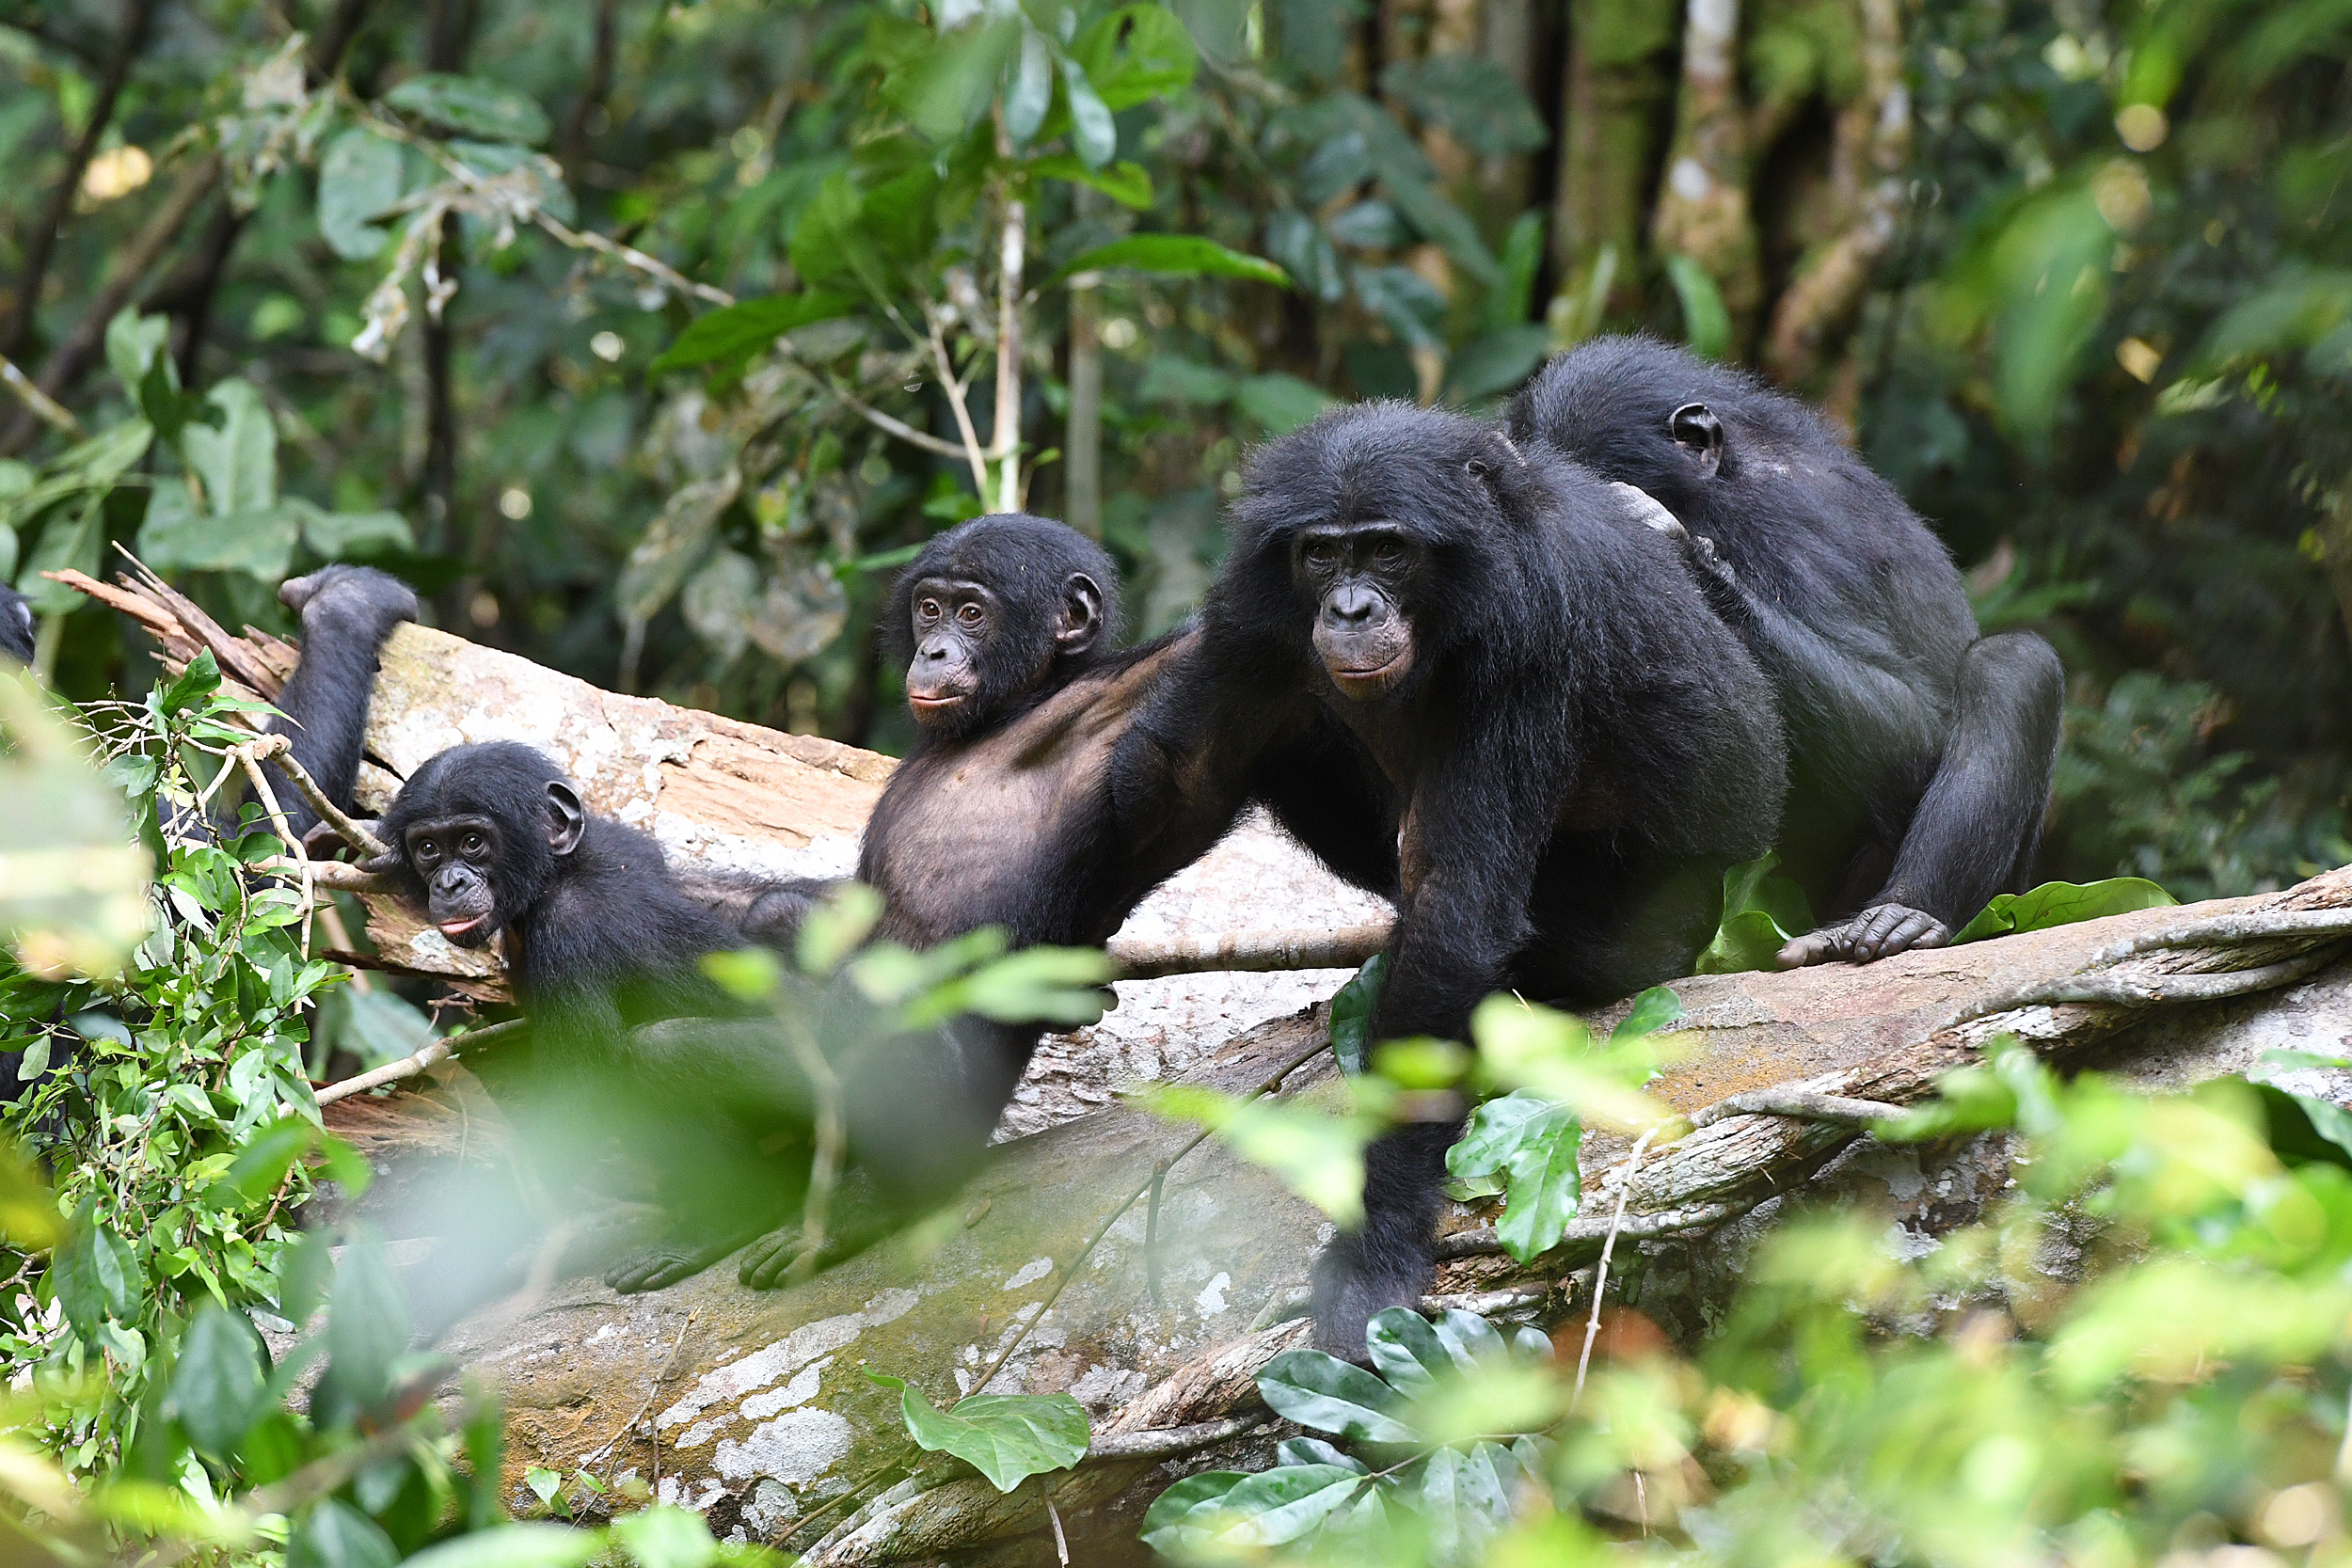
x=937, y=702
x=472, y=931
x=1364, y=684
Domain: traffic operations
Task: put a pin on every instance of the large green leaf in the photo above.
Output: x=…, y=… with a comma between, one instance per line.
x=472, y=106
x=666, y=1536
x=1127, y=183
x=1007, y=1438
x=179, y=537
x=1183, y=1515
x=238, y=461
x=1031, y=91
x=1175, y=256
x=216, y=1385
x=1656, y=1008
x=1091, y=123
x=1135, y=54
x=1761, y=913
x=340, y=534
x=1284, y=1503
x=1351, y=1015
x=334, y=1534
x=949, y=83
x=735, y=332
x=1280, y=402
x=95, y=1276
x=2062, y=904
x=1532, y=1142
x=359, y=179
x=1329, y=1395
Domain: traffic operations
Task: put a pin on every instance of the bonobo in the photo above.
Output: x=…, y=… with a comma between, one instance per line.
x=16, y=625
x=347, y=613
x=1920, y=754
x=1004, y=812
x=1527, y=711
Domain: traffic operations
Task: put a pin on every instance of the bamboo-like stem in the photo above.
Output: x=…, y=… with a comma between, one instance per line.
x=423, y=1059
x=1005, y=445
x=1082, y=443
x=51, y=411
x=963, y=411
x=1250, y=951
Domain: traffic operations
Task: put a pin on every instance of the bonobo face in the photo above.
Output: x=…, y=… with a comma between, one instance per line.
x=453, y=856
x=1358, y=576
x=953, y=622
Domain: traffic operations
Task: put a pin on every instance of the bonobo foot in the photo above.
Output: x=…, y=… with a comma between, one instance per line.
x=1354, y=1282
x=1878, y=932
x=358, y=591
x=766, y=1260
x=658, y=1267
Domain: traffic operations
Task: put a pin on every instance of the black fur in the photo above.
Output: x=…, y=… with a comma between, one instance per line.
x=1920, y=755
x=1552, y=790
x=16, y=625
x=347, y=613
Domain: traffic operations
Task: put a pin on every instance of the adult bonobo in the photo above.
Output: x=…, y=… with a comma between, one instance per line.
x=1523, y=702
x=1920, y=754
x=16, y=625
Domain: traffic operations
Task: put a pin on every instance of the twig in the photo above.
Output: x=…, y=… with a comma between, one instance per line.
x=972, y=453
x=1585, y=1231
x=652, y=1394
x=1005, y=443
x=1061, y=1542
x=891, y=426
x=1345, y=949
x=41, y=402
x=280, y=751
x=1607, y=1248
x=430, y=1056
x=1167, y=1442
x=1802, y=1103
x=334, y=876
x=286, y=834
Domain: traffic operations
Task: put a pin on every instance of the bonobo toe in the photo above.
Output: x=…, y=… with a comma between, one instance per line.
x=655, y=1269
x=1878, y=932
x=766, y=1260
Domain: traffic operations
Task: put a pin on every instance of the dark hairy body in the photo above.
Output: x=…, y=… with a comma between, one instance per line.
x=16, y=625
x=1472, y=677
x=1920, y=754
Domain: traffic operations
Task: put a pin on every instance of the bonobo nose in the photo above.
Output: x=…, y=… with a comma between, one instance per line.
x=1350, y=605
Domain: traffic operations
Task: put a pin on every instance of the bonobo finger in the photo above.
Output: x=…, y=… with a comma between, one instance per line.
x=649, y=1271
x=769, y=1260
x=322, y=843
x=1818, y=949
x=296, y=592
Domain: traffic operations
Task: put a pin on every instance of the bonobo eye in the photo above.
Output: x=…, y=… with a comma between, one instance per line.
x=1389, y=553
x=1320, y=554
x=472, y=844
x=926, y=609
x=971, y=616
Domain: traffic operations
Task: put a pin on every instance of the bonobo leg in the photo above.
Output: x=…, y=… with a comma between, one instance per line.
x=857, y=1218
x=347, y=613
x=681, y=1256
x=1978, y=826
x=1388, y=1261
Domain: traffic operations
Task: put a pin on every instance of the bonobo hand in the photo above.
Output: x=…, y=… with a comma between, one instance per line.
x=1878, y=932
x=1698, y=547
x=658, y=1267
x=766, y=1260
x=357, y=590
x=1354, y=1283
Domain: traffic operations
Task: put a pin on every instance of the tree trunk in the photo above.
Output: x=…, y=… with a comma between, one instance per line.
x=1703, y=211
x=1612, y=99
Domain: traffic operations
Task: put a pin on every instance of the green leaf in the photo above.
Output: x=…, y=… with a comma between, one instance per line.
x=1127, y=183
x=1135, y=54
x=737, y=332
x=1320, y=1156
x=1175, y=256
x=1091, y=123
x=1284, y=1504
x=65, y=545
x=945, y=89
x=1173, y=378
x=1007, y=1438
x=359, y=179
x=1280, y=402
x=338, y=535
x=1497, y=1129
x=334, y=1534
x=1761, y=913
x=217, y=1385
x=1406, y=1351
x=535, y=1546
x=1706, y=323
x=1166, y=1527
x=29, y=1210
x=1545, y=1188
x=265, y=1160
x=1496, y=361
x=178, y=537
x=2062, y=904
x=134, y=343
x=472, y=106
x=1032, y=90
x=1329, y=1395
x=96, y=1276
x=1351, y=1015
x=1656, y=1008
x=366, y=1323
x=237, y=461
x=666, y=1536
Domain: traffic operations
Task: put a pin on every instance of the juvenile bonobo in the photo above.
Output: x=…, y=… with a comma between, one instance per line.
x=1519, y=700
x=1920, y=754
x=1004, y=812
x=347, y=613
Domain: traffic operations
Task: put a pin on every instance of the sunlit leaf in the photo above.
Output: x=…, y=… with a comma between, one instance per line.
x=1007, y=1438
x=2055, y=904
x=1329, y=1395
x=1175, y=256
x=472, y=106
x=1706, y=323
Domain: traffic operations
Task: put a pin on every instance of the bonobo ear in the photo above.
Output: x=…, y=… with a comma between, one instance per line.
x=568, y=819
x=1081, y=619
x=1700, y=434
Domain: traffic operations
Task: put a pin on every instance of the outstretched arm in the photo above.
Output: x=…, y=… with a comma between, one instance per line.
x=347, y=613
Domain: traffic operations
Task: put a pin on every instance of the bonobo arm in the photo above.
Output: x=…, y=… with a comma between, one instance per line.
x=1472, y=836
x=347, y=613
